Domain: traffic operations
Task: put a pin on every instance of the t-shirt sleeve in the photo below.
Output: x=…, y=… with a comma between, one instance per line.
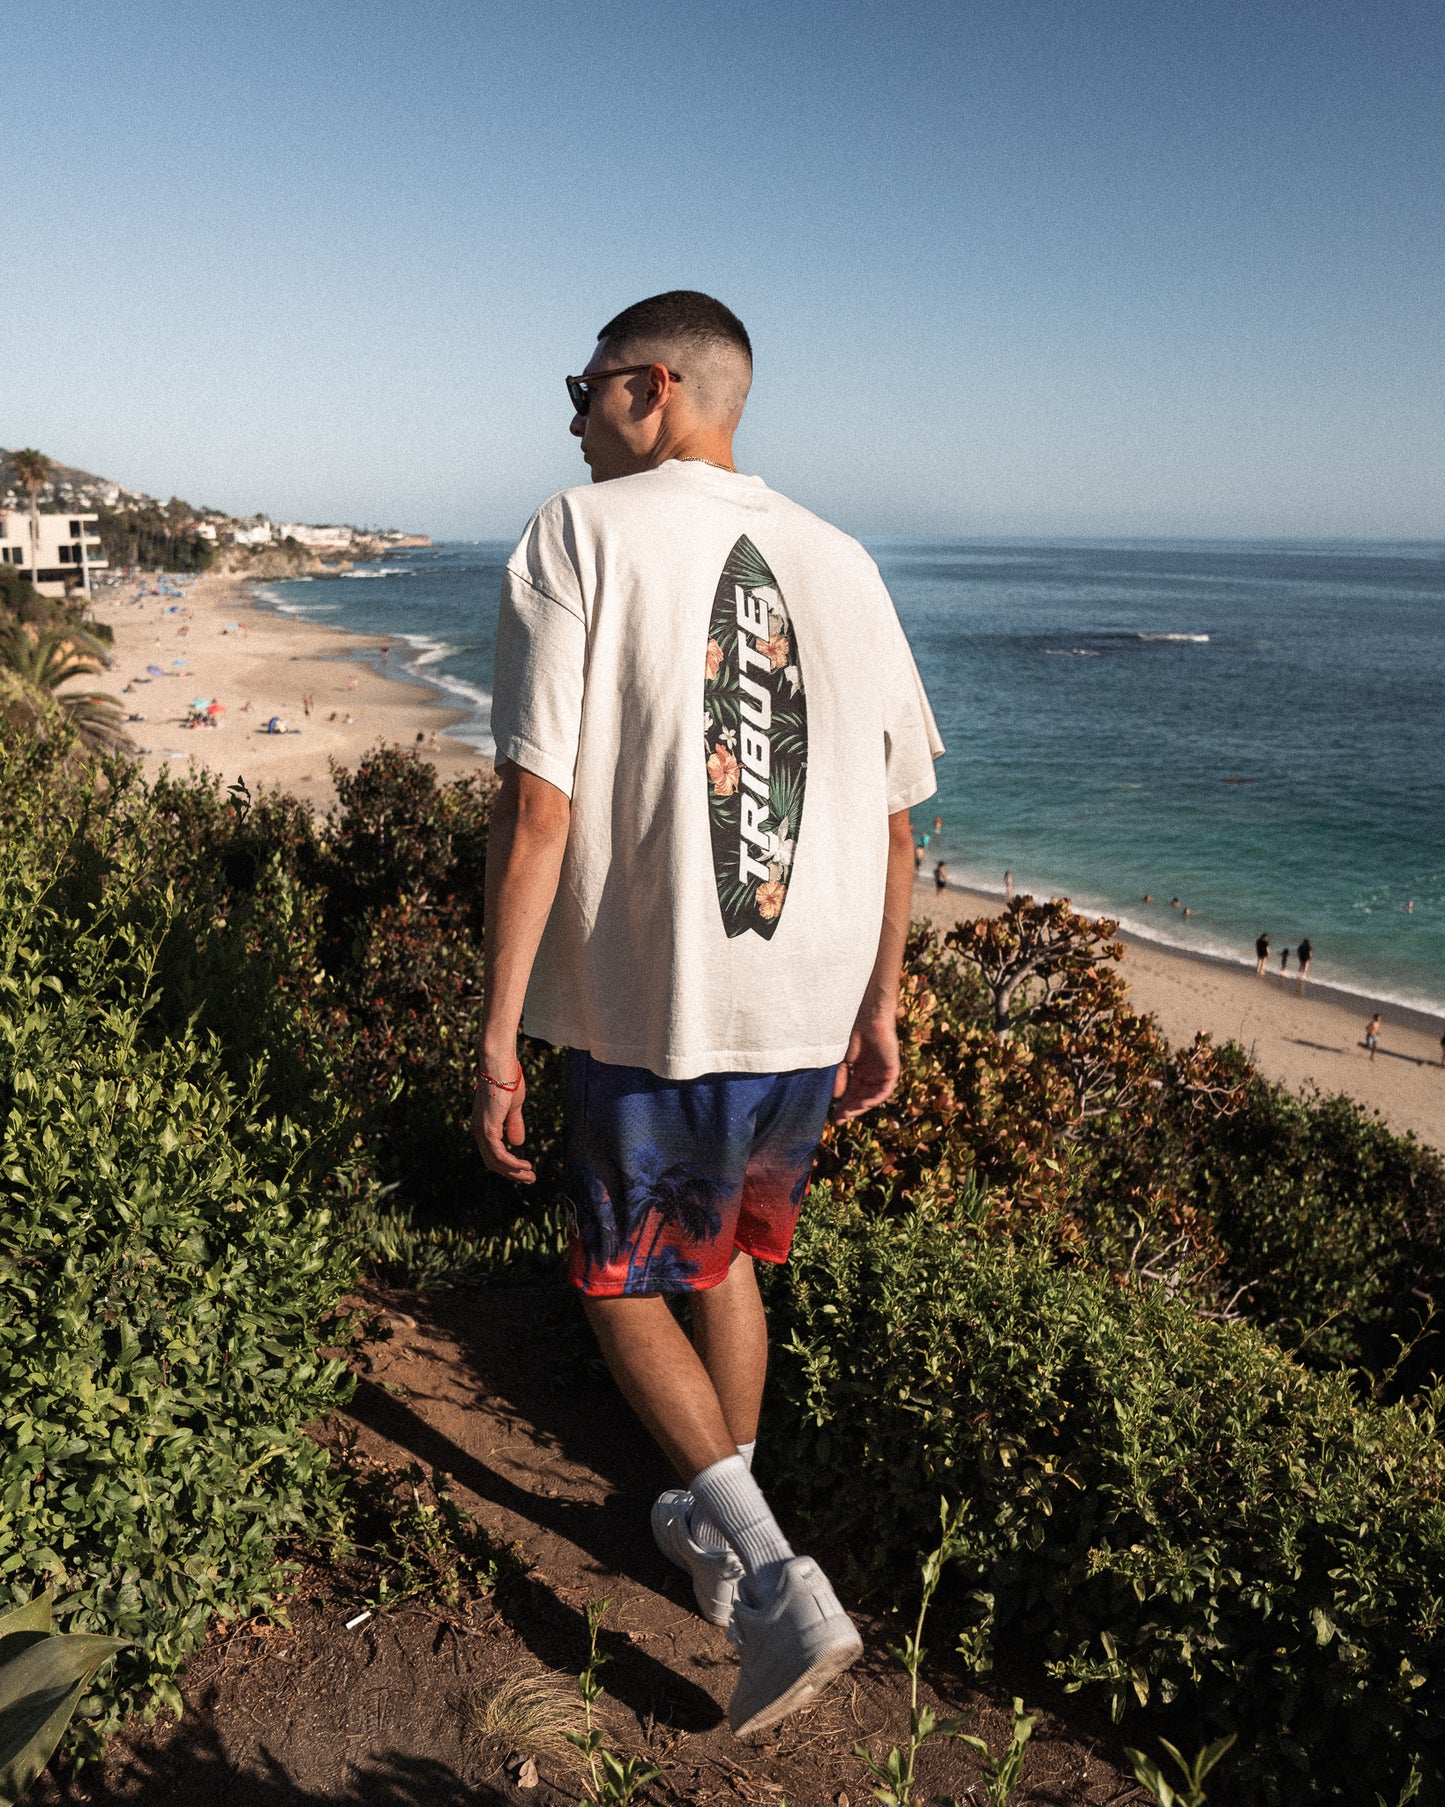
x=911, y=740
x=540, y=665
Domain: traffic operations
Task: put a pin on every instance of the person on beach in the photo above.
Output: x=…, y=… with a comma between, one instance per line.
x=1261, y=955
x=1372, y=1034
x=918, y=857
x=1284, y=960
x=1303, y=954
x=1442, y=1047
x=1008, y=887
x=721, y=957
x=940, y=877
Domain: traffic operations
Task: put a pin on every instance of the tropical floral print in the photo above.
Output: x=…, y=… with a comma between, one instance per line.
x=770, y=898
x=777, y=649
x=722, y=771
x=755, y=740
x=668, y=1177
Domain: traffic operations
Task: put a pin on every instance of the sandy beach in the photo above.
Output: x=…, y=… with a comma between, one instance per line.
x=1314, y=1038
x=238, y=652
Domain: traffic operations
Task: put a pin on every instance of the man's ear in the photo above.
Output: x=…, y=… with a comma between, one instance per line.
x=659, y=390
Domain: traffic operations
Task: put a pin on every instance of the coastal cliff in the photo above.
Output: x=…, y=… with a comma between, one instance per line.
x=137, y=529
x=290, y=558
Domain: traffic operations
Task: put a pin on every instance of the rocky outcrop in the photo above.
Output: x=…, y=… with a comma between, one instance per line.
x=289, y=559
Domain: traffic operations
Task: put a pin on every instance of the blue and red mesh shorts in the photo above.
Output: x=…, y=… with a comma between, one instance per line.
x=668, y=1178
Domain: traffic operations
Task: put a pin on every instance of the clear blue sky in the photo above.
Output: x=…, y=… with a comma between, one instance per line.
x=1173, y=267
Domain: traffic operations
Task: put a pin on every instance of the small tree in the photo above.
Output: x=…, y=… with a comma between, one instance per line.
x=1058, y=958
x=32, y=472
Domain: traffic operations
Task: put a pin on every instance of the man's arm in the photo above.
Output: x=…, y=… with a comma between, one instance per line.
x=870, y=1069
x=524, y=859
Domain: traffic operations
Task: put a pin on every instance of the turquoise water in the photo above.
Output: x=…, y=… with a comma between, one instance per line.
x=1258, y=730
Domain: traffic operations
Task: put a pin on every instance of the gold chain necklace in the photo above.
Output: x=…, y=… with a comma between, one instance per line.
x=731, y=469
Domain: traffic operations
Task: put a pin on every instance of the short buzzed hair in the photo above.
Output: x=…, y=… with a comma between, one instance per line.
x=681, y=315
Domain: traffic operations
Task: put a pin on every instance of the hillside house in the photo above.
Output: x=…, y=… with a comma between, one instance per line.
x=69, y=550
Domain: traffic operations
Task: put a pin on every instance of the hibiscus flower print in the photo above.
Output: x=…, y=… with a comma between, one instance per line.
x=777, y=649
x=770, y=897
x=714, y=658
x=722, y=773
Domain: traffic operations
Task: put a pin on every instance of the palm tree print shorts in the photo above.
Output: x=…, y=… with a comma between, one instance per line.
x=668, y=1178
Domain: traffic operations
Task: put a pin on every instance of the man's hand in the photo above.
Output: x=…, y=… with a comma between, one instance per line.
x=497, y=1121
x=530, y=823
x=869, y=1071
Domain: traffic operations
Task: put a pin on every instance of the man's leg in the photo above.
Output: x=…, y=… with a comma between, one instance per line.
x=730, y=1333
x=663, y=1379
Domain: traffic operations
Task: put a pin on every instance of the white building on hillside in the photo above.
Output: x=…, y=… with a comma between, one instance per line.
x=319, y=539
x=69, y=551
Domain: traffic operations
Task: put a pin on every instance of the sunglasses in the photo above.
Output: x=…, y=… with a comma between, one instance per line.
x=580, y=395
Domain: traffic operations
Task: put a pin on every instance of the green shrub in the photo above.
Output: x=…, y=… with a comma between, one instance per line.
x=1308, y=1216
x=1336, y=1221
x=171, y=1276
x=1169, y=1511
x=350, y=949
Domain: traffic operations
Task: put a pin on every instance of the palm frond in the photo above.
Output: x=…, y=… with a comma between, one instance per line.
x=747, y=566
x=46, y=657
x=98, y=720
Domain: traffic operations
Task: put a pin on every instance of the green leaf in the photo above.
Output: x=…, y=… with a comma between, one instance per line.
x=41, y=1684
x=34, y=1615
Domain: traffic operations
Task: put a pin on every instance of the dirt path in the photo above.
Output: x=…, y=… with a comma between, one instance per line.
x=500, y=1390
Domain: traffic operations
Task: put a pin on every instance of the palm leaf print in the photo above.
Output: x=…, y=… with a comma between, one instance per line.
x=756, y=757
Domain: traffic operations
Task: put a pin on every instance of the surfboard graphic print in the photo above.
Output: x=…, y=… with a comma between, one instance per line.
x=755, y=737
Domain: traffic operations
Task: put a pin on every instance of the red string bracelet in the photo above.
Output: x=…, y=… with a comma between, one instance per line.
x=497, y=1084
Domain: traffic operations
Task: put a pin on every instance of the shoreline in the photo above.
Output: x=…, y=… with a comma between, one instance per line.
x=475, y=708
x=1428, y=1019
x=219, y=640
x=1314, y=1039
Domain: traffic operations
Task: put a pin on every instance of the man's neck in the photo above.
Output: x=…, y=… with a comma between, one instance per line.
x=702, y=448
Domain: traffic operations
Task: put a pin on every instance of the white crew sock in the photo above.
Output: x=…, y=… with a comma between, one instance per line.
x=698, y=1522
x=732, y=1499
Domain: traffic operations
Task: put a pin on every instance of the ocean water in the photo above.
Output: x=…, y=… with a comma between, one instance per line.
x=1255, y=729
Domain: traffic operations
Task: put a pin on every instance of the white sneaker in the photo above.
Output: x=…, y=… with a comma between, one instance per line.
x=715, y=1573
x=792, y=1646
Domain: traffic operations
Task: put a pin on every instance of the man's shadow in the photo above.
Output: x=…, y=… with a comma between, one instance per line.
x=193, y=1769
x=530, y=1348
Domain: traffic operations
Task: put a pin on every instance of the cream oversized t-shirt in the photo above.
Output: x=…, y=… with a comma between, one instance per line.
x=719, y=682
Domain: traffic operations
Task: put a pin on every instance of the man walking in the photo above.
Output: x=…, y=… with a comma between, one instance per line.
x=709, y=733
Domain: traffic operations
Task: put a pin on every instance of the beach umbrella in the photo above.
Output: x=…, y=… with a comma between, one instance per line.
x=215, y=708
x=155, y=671
x=200, y=702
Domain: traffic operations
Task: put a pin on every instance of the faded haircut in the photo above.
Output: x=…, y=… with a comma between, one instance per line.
x=680, y=317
